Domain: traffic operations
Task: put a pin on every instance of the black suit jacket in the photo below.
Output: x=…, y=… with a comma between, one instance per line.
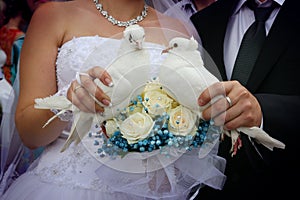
x=275, y=81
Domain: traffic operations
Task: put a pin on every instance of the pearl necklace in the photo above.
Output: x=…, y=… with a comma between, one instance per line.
x=112, y=20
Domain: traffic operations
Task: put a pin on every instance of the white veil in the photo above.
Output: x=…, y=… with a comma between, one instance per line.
x=173, y=9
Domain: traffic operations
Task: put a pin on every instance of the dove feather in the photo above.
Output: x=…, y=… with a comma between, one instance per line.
x=190, y=78
x=262, y=137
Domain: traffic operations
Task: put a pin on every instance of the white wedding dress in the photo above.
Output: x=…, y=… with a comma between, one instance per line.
x=78, y=173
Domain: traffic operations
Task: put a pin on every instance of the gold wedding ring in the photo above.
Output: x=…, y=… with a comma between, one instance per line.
x=228, y=100
x=76, y=88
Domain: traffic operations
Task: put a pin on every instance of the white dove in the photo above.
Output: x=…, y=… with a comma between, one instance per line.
x=184, y=76
x=131, y=56
x=132, y=59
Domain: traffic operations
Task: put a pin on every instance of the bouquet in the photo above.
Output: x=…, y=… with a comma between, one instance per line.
x=154, y=120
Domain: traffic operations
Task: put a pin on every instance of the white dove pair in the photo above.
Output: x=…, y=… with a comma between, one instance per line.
x=182, y=73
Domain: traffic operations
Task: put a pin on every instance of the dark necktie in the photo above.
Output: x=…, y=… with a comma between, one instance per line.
x=188, y=8
x=251, y=43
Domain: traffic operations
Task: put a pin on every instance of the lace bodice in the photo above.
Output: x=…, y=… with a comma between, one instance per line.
x=74, y=53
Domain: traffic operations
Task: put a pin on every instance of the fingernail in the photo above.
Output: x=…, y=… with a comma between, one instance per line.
x=109, y=82
x=107, y=102
x=201, y=102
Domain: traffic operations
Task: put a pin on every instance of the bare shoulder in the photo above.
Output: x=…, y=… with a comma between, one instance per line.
x=49, y=14
x=58, y=19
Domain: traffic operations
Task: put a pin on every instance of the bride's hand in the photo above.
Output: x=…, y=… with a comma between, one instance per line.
x=84, y=93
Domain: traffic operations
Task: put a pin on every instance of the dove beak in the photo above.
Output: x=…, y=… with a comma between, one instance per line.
x=139, y=44
x=166, y=50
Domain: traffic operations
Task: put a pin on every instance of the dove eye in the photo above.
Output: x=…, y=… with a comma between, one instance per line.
x=175, y=45
x=130, y=38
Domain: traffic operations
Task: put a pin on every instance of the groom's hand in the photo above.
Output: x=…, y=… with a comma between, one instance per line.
x=237, y=108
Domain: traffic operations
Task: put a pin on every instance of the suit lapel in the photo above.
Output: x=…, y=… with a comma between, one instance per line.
x=212, y=31
x=278, y=38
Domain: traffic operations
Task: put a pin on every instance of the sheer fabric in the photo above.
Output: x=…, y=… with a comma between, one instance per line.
x=174, y=10
x=79, y=173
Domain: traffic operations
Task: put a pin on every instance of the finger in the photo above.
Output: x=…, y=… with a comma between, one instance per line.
x=215, y=109
x=212, y=91
x=217, y=89
x=102, y=75
x=92, y=89
x=227, y=117
x=83, y=101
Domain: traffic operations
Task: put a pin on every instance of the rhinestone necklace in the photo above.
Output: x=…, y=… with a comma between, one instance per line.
x=112, y=20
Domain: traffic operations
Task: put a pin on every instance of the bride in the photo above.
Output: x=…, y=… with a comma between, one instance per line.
x=60, y=38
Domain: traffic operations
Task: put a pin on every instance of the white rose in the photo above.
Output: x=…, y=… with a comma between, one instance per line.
x=157, y=102
x=153, y=85
x=111, y=127
x=136, y=127
x=182, y=121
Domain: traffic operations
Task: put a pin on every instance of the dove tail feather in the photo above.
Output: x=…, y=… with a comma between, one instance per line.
x=72, y=134
x=66, y=145
x=70, y=139
x=262, y=137
x=53, y=117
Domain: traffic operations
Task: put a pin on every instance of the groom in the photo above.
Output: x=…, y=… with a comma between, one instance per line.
x=272, y=93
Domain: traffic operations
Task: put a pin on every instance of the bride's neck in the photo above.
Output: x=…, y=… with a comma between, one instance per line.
x=123, y=9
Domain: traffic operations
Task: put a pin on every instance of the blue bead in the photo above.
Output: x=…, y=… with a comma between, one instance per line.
x=145, y=142
x=140, y=143
x=142, y=149
x=170, y=142
x=159, y=132
x=158, y=142
x=131, y=108
x=117, y=133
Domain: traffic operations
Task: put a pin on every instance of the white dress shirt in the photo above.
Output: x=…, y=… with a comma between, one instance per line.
x=239, y=22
